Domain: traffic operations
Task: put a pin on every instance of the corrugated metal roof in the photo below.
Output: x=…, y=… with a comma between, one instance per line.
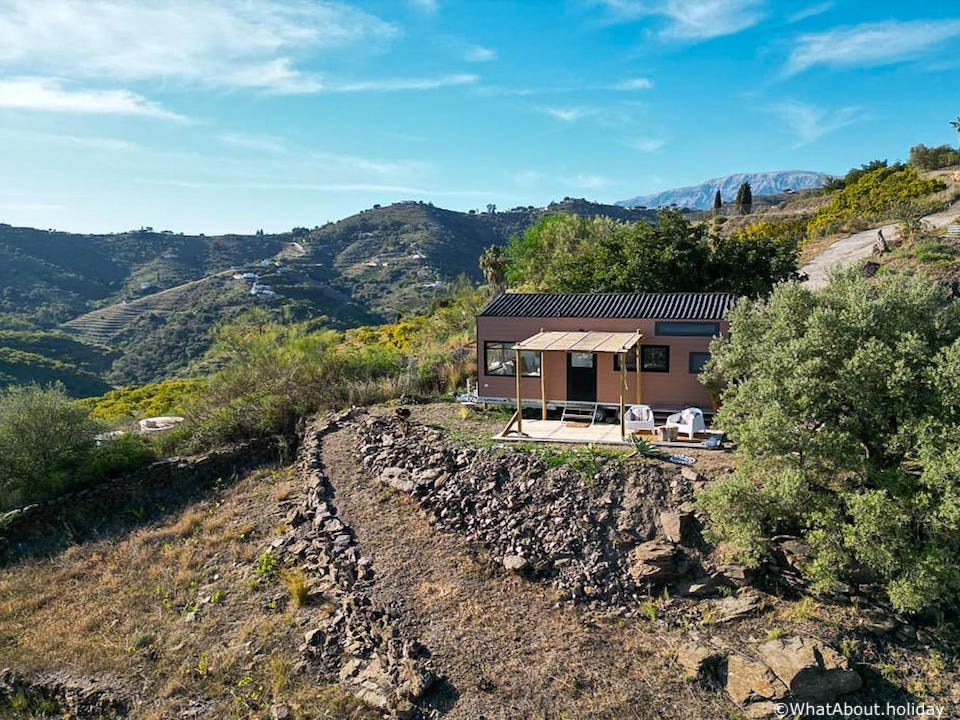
x=659, y=306
x=607, y=342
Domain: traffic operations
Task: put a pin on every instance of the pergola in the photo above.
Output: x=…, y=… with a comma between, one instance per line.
x=613, y=343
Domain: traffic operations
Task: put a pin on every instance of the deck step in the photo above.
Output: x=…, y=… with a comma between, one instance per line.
x=583, y=412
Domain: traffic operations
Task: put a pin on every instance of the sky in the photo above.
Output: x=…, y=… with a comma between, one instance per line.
x=237, y=115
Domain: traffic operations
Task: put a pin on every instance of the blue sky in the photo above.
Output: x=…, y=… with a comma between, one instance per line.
x=233, y=115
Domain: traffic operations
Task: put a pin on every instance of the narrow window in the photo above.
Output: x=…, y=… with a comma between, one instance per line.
x=687, y=329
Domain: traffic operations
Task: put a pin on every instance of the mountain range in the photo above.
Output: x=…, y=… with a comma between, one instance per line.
x=700, y=197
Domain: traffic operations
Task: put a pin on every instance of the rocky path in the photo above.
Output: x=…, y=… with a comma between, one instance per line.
x=503, y=645
x=849, y=250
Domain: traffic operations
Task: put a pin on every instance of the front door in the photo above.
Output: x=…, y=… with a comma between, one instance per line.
x=582, y=377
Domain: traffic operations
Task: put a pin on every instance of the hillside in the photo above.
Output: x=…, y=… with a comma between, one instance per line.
x=394, y=258
x=147, y=302
x=700, y=197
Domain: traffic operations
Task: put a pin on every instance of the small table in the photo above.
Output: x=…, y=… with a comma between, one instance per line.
x=667, y=434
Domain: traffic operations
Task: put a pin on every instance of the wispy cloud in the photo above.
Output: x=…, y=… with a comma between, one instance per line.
x=639, y=83
x=478, y=53
x=568, y=114
x=395, y=84
x=214, y=43
x=690, y=20
x=590, y=182
x=646, y=144
x=808, y=123
x=870, y=44
x=51, y=95
x=260, y=143
x=809, y=12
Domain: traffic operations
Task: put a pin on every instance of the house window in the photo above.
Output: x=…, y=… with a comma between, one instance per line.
x=631, y=360
x=655, y=358
x=687, y=329
x=697, y=361
x=499, y=358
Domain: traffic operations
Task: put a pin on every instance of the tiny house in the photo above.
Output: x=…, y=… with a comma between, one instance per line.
x=599, y=348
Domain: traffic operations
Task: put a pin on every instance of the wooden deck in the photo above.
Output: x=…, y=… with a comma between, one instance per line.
x=556, y=431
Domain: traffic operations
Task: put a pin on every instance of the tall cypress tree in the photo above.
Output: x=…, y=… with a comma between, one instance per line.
x=744, y=199
x=717, y=202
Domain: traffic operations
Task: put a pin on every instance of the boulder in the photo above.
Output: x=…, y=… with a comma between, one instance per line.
x=398, y=478
x=515, y=563
x=679, y=527
x=654, y=561
x=751, y=680
x=812, y=670
x=727, y=609
x=699, y=662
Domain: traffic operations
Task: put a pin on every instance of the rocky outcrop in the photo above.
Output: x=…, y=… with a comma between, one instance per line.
x=603, y=531
x=348, y=637
x=803, y=669
x=66, y=695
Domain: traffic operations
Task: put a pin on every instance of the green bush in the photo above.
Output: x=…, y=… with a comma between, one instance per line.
x=933, y=158
x=845, y=405
x=115, y=457
x=44, y=440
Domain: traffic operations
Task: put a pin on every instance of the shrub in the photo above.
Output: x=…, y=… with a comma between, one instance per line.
x=845, y=405
x=115, y=457
x=45, y=438
x=876, y=194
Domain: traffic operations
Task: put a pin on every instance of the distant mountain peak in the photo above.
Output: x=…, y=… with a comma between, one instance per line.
x=700, y=197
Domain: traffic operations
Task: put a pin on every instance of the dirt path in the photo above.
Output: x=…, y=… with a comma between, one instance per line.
x=504, y=647
x=858, y=246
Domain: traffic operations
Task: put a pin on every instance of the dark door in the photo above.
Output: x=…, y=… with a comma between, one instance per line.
x=582, y=377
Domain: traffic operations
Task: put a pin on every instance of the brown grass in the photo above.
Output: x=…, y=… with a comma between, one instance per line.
x=170, y=613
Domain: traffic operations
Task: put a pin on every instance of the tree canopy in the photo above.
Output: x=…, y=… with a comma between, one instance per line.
x=564, y=253
x=845, y=405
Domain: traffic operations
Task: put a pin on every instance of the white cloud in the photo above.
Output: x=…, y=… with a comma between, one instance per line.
x=353, y=165
x=646, y=144
x=591, y=182
x=634, y=84
x=568, y=114
x=261, y=143
x=321, y=187
x=50, y=95
x=809, y=123
x=883, y=43
x=478, y=53
x=394, y=84
x=690, y=19
x=809, y=12
x=213, y=43
x=528, y=178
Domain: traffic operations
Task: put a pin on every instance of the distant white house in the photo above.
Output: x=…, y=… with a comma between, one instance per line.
x=262, y=291
x=248, y=276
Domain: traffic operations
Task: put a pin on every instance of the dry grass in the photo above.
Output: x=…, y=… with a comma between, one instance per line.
x=171, y=613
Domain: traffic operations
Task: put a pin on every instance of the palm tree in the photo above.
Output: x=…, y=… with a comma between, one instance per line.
x=956, y=126
x=493, y=262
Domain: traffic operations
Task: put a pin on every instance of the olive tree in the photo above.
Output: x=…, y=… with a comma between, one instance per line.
x=845, y=405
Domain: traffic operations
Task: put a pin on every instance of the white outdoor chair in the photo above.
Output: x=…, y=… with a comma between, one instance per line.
x=689, y=422
x=639, y=417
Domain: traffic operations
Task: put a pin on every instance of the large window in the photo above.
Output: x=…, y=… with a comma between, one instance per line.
x=499, y=358
x=631, y=360
x=655, y=358
x=687, y=329
x=697, y=361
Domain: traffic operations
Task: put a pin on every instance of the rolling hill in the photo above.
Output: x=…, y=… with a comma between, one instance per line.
x=700, y=197
x=146, y=303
